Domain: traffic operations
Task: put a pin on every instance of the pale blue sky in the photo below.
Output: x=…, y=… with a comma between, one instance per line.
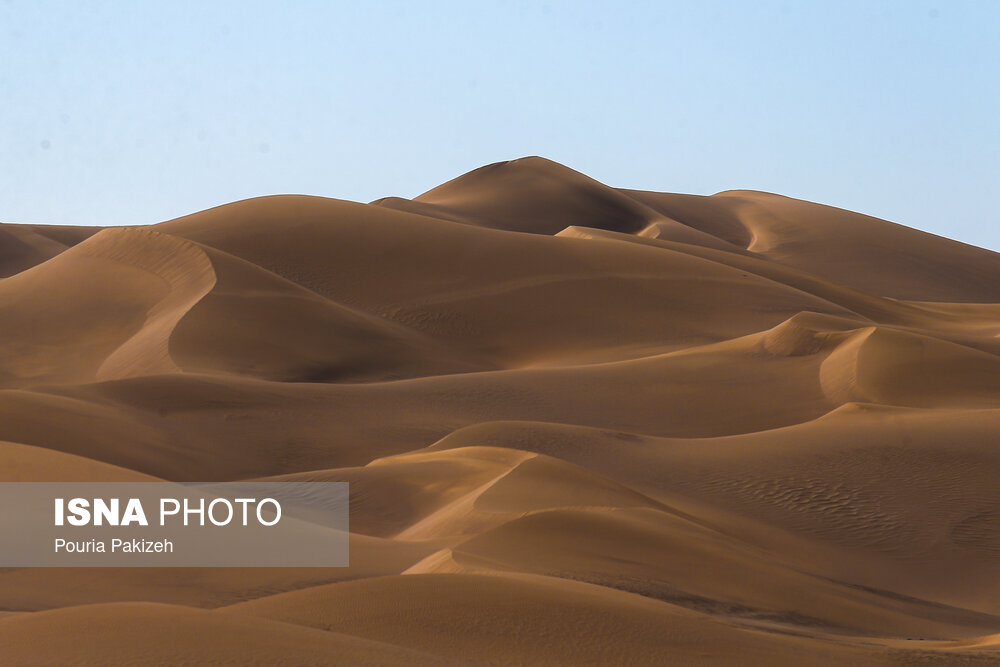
x=136, y=112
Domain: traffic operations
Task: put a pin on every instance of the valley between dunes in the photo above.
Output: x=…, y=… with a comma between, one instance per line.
x=581, y=425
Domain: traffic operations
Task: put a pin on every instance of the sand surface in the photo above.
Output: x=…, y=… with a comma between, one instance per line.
x=581, y=425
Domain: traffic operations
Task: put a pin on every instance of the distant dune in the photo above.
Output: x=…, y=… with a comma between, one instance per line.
x=581, y=424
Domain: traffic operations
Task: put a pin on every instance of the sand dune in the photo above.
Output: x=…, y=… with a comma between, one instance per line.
x=164, y=634
x=554, y=620
x=532, y=195
x=854, y=250
x=581, y=424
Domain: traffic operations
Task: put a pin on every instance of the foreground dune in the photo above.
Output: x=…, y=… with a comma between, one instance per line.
x=580, y=424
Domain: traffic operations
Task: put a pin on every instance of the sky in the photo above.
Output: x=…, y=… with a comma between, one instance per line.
x=118, y=113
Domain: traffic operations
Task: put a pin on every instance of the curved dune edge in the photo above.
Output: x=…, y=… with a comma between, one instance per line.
x=121, y=292
x=189, y=275
x=877, y=365
x=256, y=323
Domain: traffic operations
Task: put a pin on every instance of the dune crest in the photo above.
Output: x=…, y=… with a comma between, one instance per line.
x=189, y=274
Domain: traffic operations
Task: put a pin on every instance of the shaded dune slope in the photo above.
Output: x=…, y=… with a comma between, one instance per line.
x=24, y=246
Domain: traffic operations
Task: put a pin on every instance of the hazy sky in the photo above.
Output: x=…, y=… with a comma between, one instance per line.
x=135, y=112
